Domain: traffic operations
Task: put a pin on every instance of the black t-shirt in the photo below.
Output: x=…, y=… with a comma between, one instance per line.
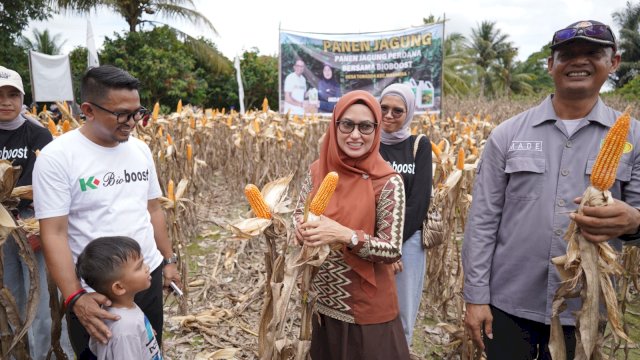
x=416, y=174
x=19, y=146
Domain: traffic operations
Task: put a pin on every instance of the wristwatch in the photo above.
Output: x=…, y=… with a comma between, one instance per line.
x=354, y=240
x=172, y=260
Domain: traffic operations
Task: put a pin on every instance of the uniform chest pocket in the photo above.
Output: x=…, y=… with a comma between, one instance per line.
x=526, y=176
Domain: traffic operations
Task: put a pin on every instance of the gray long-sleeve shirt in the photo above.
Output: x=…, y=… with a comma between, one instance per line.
x=527, y=178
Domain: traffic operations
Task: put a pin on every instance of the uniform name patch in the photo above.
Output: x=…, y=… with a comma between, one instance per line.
x=526, y=146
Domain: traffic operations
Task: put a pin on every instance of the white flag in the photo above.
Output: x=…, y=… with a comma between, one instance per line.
x=236, y=64
x=92, y=54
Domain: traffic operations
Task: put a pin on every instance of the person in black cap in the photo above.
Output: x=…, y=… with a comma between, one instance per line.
x=533, y=168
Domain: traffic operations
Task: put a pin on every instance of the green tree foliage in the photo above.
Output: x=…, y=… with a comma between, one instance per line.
x=487, y=45
x=629, y=43
x=631, y=90
x=43, y=42
x=137, y=12
x=536, y=65
x=260, y=79
x=163, y=64
x=14, y=18
x=457, y=64
x=78, y=60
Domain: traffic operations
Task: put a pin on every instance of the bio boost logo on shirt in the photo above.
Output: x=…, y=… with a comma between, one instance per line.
x=111, y=179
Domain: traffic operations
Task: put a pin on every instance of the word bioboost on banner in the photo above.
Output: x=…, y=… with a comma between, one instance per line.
x=396, y=42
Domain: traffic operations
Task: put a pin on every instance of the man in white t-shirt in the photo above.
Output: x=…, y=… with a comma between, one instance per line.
x=295, y=88
x=98, y=181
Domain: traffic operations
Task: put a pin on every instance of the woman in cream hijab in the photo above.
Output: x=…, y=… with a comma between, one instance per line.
x=397, y=102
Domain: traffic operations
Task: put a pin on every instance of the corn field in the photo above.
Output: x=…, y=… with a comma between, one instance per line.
x=241, y=291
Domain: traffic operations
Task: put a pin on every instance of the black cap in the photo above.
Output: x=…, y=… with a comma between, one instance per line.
x=589, y=30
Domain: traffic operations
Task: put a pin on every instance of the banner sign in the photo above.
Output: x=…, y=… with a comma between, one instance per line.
x=316, y=69
x=51, y=78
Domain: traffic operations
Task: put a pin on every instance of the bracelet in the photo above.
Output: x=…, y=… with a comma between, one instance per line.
x=74, y=300
x=74, y=297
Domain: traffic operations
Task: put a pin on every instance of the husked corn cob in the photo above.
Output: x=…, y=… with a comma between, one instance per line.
x=604, y=170
x=171, y=195
x=265, y=105
x=436, y=150
x=460, y=160
x=156, y=111
x=256, y=126
x=192, y=122
x=325, y=191
x=169, y=139
x=66, y=126
x=179, y=107
x=258, y=206
x=189, y=153
x=52, y=127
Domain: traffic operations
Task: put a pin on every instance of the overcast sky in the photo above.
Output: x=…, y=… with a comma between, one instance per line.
x=243, y=25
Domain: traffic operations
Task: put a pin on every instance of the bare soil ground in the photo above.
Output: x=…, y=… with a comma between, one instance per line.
x=226, y=287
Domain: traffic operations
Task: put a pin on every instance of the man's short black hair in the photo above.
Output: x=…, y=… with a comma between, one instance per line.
x=97, y=81
x=101, y=261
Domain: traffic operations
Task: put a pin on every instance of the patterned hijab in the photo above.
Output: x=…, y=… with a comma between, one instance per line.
x=405, y=93
x=360, y=180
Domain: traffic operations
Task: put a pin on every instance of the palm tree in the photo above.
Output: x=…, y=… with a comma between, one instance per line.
x=629, y=20
x=456, y=65
x=135, y=13
x=43, y=42
x=487, y=45
x=511, y=75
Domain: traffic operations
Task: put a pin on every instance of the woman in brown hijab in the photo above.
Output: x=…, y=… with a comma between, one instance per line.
x=357, y=304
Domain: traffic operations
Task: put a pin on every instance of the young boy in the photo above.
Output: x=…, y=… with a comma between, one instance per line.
x=113, y=266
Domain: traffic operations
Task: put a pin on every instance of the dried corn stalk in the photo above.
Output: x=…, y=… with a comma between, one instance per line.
x=587, y=267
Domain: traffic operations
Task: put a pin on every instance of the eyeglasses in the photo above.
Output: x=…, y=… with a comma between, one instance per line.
x=124, y=117
x=599, y=32
x=347, y=126
x=395, y=112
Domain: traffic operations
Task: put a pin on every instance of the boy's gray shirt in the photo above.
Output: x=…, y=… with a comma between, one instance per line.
x=132, y=337
x=528, y=176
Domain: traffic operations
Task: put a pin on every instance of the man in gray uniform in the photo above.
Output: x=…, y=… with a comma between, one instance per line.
x=533, y=167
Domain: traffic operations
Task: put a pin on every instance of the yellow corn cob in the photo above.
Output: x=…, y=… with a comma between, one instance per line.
x=66, y=126
x=325, y=191
x=170, y=191
x=160, y=132
x=44, y=108
x=256, y=126
x=441, y=145
x=258, y=206
x=34, y=110
x=52, y=127
x=169, y=139
x=229, y=120
x=156, y=111
x=436, y=150
x=192, y=122
x=604, y=170
x=189, y=153
x=203, y=121
x=460, y=160
x=452, y=137
x=179, y=107
x=265, y=105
